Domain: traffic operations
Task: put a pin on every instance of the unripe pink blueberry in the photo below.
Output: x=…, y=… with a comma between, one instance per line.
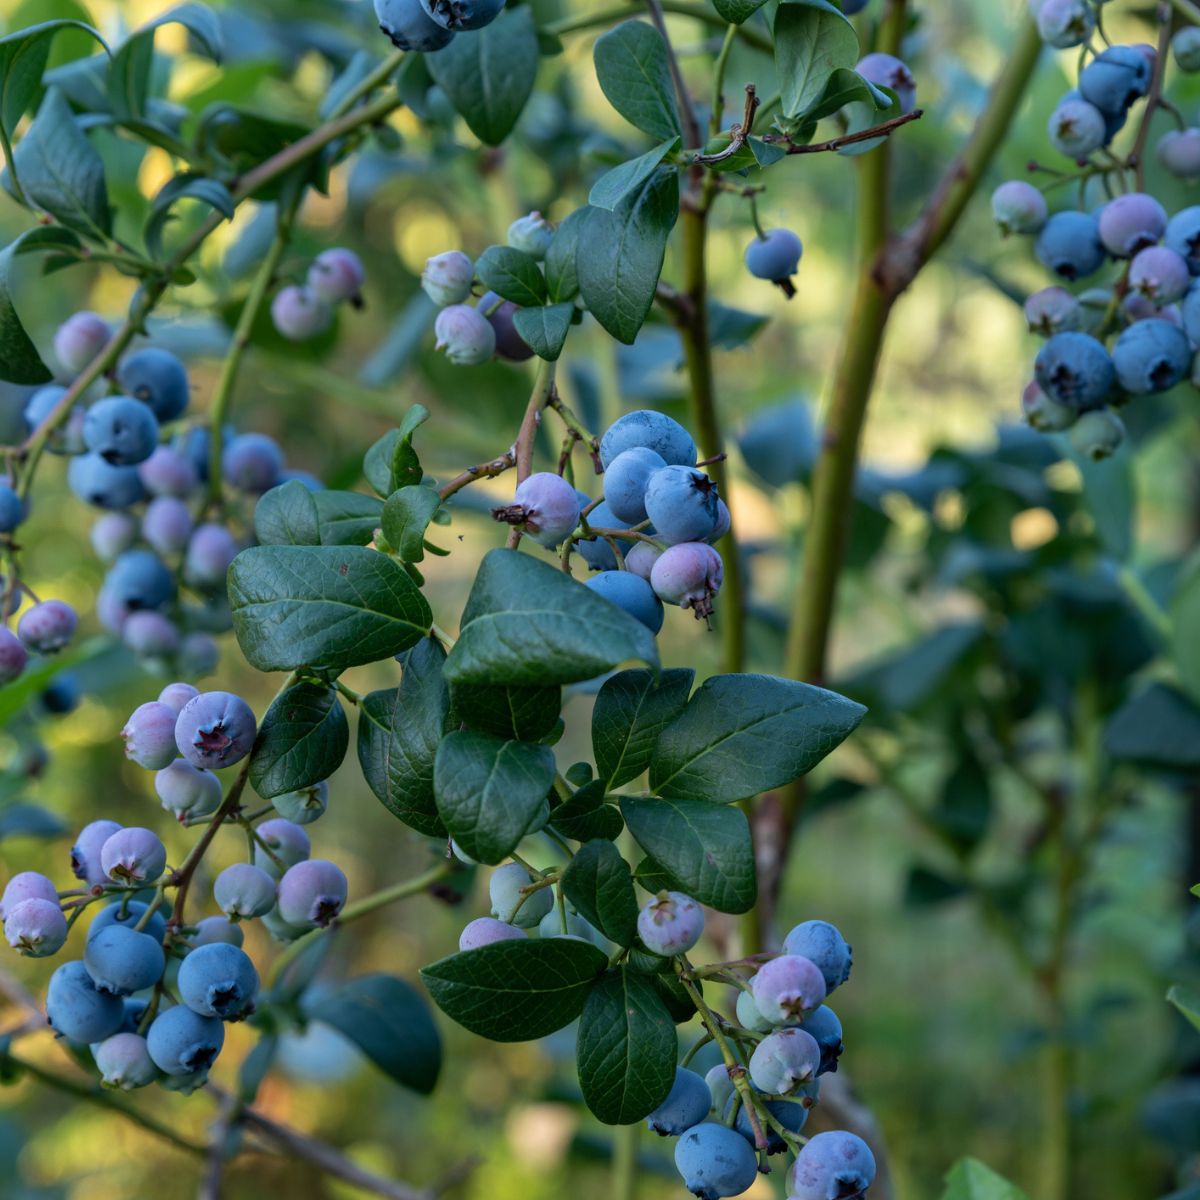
x=168, y=473
x=85, y=854
x=1044, y=414
x=47, y=627
x=36, y=928
x=483, y=931
x=124, y=1061
x=209, y=553
x=1159, y=274
x=1052, y=310
x=465, y=334
x=133, y=856
x=550, y=506
x=299, y=313
x=312, y=892
x=243, y=890
x=13, y=656
x=150, y=635
x=176, y=695
x=216, y=929
x=1179, y=152
x=112, y=534
x=1139, y=308
x=187, y=791
x=1130, y=223
x=215, y=729
x=447, y=278
x=167, y=524
x=671, y=923
x=1065, y=23
x=79, y=339
x=286, y=841
x=787, y=989
x=26, y=885
x=641, y=558
x=835, y=1163
x=337, y=275
x=784, y=1059
x=198, y=655
x=690, y=575
x=149, y=735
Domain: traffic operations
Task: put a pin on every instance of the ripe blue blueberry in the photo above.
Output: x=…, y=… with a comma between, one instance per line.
x=409, y=27
x=513, y=906
x=26, y=885
x=532, y=234
x=218, y=980
x=157, y=378
x=1019, y=207
x=632, y=594
x=133, y=856
x=886, y=70
x=1065, y=23
x=288, y=844
x=77, y=1010
x=121, y=960
x=682, y=504
x=1185, y=45
x=1069, y=245
x=1076, y=128
x=36, y=928
x=167, y=524
x=784, y=1059
x=312, y=892
x=337, y=275
x=510, y=345
x=654, y=430
x=1097, y=434
x=47, y=627
x=252, y=462
x=456, y=15
x=1075, y=369
x=12, y=510
x=545, y=506
x=715, y=1162
x=62, y=694
x=299, y=314
x=103, y=485
x=244, y=891
x=670, y=923
x=79, y=339
x=85, y=854
x=626, y=479
x=791, y=1113
x=112, y=534
x=1159, y=274
x=210, y=930
x=689, y=575
x=1052, y=310
x=304, y=805
x=149, y=736
x=825, y=1029
x=1190, y=311
x=1115, y=78
x=124, y=1061
x=1130, y=223
x=1179, y=152
x=209, y=552
x=823, y=945
x=198, y=654
x=1151, y=356
x=787, y=989
x=1183, y=236
x=167, y=472
x=1044, y=414
x=447, y=278
x=121, y=430
x=139, y=579
x=182, y=1042
x=13, y=656
x=483, y=931
x=775, y=256
x=68, y=438
x=133, y=911
x=216, y=729
x=465, y=334
x=150, y=635
x=687, y=1104
x=832, y=1166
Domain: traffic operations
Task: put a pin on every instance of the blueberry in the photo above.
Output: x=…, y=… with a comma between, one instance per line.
x=168, y=473
x=36, y=928
x=1075, y=369
x=447, y=278
x=286, y=841
x=720, y=1086
x=337, y=275
x=182, y=1042
x=1179, y=152
x=157, y=378
x=121, y=430
x=788, y=988
x=304, y=805
x=244, y=891
x=77, y=1010
x=1069, y=245
x=1019, y=207
x=310, y=481
x=640, y=559
x=682, y=504
x=1130, y=223
x=1191, y=314
x=825, y=1029
x=551, y=925
x=784, y=1059
x=510, y=345
x=1151, y=356
x=715, y=1162
x=1115, y=78
x=218, y=980
x=532, y=234
x=670, y=923
x=299, y=314
x=774, y=256
x=483, y=931
x=47, y=627
x=1183, y=236
x=216, y=729
x=465, y=334
x=835, y=1164
x=654, y=430
x=462, y=855
x=312, y=892
x=1076, y=128
x=252, y=462
x=103, y=485
x=167, y=524
x=823, y=945
x=1185, y=45
x=886, y=70
x=1052, y=310
x=597, y=552
x=149, y=735
x=689, y=575
x=121, y=960
x=1159, y=274
x=112, y=534
x=626, y=479
x=85, y=854
x=630, y=593
x=12, y=510
x=1097, y=434
x=456, y=15
x=133, y=856
x=150, y=635
x=13, y=656
x=198, y=655
x=79, y=339
x=513, y=906
x=211, y=930
x=26, y=885
x=281, y=930
x=748, y=1015
x=124, y=1061
x=209, y=552
x=687, y=1104
x=546, y=507
x=409, y=27
x=1065, y=23
x=140, y=580
x=68, y=437
x=111, y=915
x=791, y=1113
x=1044, y=414
x=193, y=446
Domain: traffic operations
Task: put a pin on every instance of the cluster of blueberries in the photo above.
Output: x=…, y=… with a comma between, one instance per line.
x=303, y=311
x=649, y=539
x=1152, y=311
x=150, y=996
x=428, y=25
x=780, y=1012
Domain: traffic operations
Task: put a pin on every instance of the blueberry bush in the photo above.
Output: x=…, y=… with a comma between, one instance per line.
x=575, y=573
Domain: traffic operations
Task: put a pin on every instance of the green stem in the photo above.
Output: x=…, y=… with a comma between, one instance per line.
x=1188, y=9
x=1152, y=612
x=718, y=93
x=683, y=8
x=624, y=1163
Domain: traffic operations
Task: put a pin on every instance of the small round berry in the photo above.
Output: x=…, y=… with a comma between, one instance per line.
x=1065, y=23
x=775, y=255
x=546, y=507
x=187, y=791
x=825, y=1029
x=886, y=70
x=783, y=1060
x=133, y=856
x=510, y=345
x=77, y=1010
x=139, y=579
x=85, y=854
x=670, y=924
x=465, y=334
x=216, y=929
x=1179, y=152
x=1019, y=207
x=630, y=593
x=1116, y=78
x=304, y=805
x=157, y=378
x=1159, y=274
x=690, y=575
x=121, y=960
x=641, y=558
x=121, y=430
x=299, y=314
x=748, y=1015
x=252, y=462
x=13, y=656
x=102, y=485
x=457, y=15
x=410, y=27
x=532, y=234
x=167, y=524
x=1042, y=413
x=218, y=980
x=47, y=627
x=26, y=885
x=181, y=1041
x=787, y=989
x=337, y=275
x=654, y=430
x=215, y=730
x=1076, y=128
x=244, y=891
x=832, y=1164
x=511, y=904
x=1069, y=245
x=1151, y=356
x=447, y=278
x=1052, y=310
x=209, y=552
x=1075, y=370
x=681, y=502
x=112, y=534
x=483, y=931
x=124, y=1062
x=12, y=509
x=150, y=635
x=715, y=1162
x=1183, y=236
x=720, y=1086
x=167, y=472
x=823, y=945
x=312, y=892
x=149, y=736
x=36, y=928
x=128, y=914
x=687, y=1104
x=287, y=843
x=1185, y=45
x=198, y=655
x=1097, y=434
x=79, y=339
x=1130, y=223
x=626, y=479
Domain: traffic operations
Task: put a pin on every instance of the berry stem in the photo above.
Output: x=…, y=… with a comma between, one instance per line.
x=1138, y=154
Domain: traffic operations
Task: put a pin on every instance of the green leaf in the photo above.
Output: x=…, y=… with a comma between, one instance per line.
x=525, y=713
x=846, y=87
x=631, y=710
x=633, y=72
x=969, y=1179
x=61, y=172
x=745, y=734
x=399, y=731
x=1158, y=727
x=704, y=848
x=20, y=361
x=1110, y=496
x=301, y=741
x=488, y=74
x=613, y=186
x=183, y=187
x=587, y=815
x=391, y=463
x=406, y=516
x=29, y=820
x=490, y=792
x=562, y=281
x=545, y=329
x=621, y=254
x=626, y=1049
x=328, y=607
x=729, y=328
x=1187, y=1000
x=737, y=11
x=1185, y=632
x=964, y=808
x=389, y=1022
x=347, y=518
x=515, y=991
x=513, y=274
x=812, y=40
x=287, y=516
x=599, y=883
x=528, y=623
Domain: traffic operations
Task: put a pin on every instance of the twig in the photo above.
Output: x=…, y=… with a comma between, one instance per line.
x=738, y=134
x=487, y=470
x=543, y=389
x=1137, y=155
x=884, y=129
